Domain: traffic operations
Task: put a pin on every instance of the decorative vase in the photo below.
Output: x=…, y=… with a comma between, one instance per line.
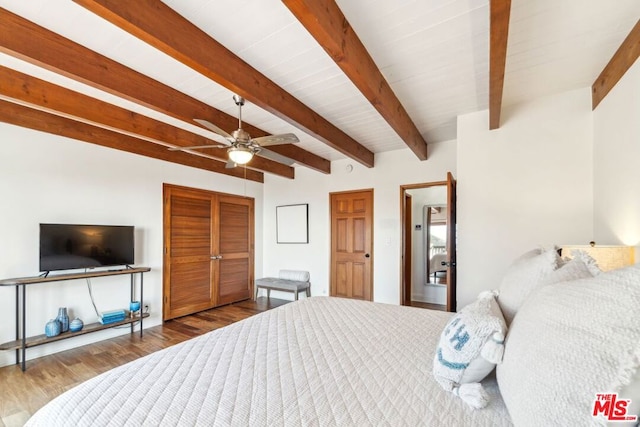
x=63, y=318
x=52, y=328
x=134, y=306
x=76, y=325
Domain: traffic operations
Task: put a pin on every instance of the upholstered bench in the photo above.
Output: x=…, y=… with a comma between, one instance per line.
x=288, y=280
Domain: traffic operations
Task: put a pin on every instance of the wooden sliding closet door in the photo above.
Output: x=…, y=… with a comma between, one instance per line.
x=208, y=250
x=235, y=246
x=188, y=266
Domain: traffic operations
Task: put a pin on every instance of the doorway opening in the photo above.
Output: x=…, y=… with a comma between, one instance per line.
x=428, y=245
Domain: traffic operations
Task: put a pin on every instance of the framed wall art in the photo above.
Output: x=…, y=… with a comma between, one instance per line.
x=292, y=223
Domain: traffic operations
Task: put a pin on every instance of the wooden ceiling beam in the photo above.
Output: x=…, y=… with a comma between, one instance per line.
x=49, y=97
x=43, y=121
x=620, y=62
x=37, y=45
x=499, y=34
x=293, y=151
x=303, y=157
x=161, y=27
x=327, y=24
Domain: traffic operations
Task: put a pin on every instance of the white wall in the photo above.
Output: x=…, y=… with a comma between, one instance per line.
x=46, y=178
x=392, y=169
x=528, y=183
x=617, y=163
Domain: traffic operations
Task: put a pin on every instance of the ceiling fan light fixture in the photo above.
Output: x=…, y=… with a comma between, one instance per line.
x=240, y=155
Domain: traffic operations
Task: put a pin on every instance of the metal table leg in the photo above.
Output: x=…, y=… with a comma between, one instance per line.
x=24, y=327
x=141, y=301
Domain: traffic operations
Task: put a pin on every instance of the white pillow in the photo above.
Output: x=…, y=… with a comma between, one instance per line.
x=522, y=277
x=581, y=266
x=569, y=342
x=298, y=275
x=470, y=346
x=630, y=391
x=529, y=254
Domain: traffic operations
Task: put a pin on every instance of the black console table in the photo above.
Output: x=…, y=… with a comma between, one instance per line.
x=22, y=342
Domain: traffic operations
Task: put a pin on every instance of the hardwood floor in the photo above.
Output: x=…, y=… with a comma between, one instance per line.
x=429, y=305
x=23, y=393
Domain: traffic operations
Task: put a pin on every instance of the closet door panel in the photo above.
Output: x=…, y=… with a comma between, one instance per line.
x=235, y=268
x=188, y=266
x=194, y=297
x=209, y=250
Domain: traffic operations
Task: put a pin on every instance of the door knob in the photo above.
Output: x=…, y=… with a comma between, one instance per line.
x=367, y=255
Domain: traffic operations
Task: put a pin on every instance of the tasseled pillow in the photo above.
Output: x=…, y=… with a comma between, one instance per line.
x=470, y=346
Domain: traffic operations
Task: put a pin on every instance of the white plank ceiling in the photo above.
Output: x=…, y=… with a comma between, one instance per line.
x=433, y=53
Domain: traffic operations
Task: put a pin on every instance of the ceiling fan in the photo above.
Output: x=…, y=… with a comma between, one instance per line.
x=242, y=147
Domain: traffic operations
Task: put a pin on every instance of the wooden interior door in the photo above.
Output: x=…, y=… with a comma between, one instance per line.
x=235, y=246
x=427, y=238
x=208, y=250
x=451, y=243
x=187, y=259
x=407, y=244
x=352, y=244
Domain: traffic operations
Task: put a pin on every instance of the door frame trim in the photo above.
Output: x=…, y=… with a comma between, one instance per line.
x=405, y=294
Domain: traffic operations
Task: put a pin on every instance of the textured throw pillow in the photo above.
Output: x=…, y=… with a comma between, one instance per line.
x=631, y=391
x=529, y=254
x=570, y=342
x=581, y=266
x=470, y=346
x=299, y=275
x=523, y=276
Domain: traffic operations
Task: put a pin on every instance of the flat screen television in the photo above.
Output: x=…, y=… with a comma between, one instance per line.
x=76, y=246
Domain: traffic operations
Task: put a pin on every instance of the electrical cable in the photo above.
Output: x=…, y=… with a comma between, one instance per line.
x=91, y=296
x=96, y=308
x=127, y=326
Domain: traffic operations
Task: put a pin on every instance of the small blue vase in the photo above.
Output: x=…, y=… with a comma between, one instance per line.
x=52, y=328
x=134, y=306
x=63, y=318
x=76, y=325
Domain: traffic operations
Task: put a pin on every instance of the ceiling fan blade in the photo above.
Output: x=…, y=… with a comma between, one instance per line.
x=214, y=129
x=230, y=164
x=272, y=155
x=196, y=147
x=284, y=138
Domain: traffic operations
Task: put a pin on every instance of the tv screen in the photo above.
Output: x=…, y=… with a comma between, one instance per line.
x=74, y=246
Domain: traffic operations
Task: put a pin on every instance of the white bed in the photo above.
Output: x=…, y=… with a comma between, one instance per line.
x=316, y=362
x=573, y=335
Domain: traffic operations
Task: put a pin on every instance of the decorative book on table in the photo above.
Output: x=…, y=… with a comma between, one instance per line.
x=112, y=316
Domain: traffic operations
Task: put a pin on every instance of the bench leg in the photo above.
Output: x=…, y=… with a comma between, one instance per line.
x=296, y=295
x=268, y=293
x=308, y=292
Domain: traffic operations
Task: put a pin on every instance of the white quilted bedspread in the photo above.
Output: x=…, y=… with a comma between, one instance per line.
x=316, y=362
